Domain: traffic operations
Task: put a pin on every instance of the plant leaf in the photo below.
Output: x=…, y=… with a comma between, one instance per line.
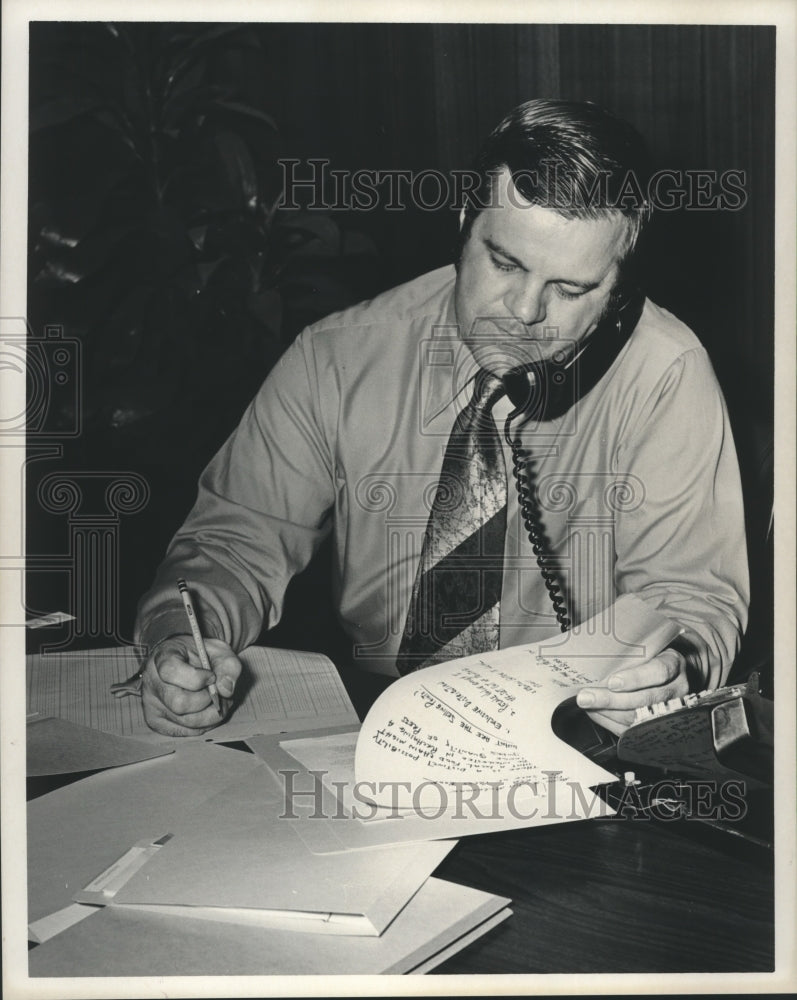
x=62, y=110
x=197, y=235
x=56, y=273
x=187, y=104
x=266, y=308
x=355, y=243
x=191, y=48
x=248, y=110
x=119, y=339
x=239, y=167
x=309, y=233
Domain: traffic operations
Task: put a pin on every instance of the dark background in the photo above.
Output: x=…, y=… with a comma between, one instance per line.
x=177, y=330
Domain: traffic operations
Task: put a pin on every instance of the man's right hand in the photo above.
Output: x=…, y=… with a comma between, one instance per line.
x=175, y=687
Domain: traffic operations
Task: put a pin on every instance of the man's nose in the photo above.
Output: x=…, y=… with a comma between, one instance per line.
x=526, y=303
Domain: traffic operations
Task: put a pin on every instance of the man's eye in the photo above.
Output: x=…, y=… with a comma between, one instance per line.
x=502, y=265
x=564, y=294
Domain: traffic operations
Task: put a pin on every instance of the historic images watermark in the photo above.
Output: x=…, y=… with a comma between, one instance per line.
x=42, y=382
x=553, y=798
x=316, y=185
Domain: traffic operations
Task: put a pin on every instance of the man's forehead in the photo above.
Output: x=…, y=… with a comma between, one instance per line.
x=530, y=232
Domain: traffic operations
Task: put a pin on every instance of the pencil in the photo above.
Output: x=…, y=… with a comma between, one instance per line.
x=204, y=659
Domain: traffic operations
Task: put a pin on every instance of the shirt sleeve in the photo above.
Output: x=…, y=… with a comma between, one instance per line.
x=682, y=547
x=262, y=509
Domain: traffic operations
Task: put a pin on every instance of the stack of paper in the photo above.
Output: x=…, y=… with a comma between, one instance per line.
x=442, y=919
x=78, y=831
x=237, y=858
x=213, y=881
x=211, y=860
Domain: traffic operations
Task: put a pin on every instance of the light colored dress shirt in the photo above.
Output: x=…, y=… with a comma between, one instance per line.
x=638, y=487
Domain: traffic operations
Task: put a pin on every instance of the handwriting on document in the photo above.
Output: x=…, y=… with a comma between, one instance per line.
x=487, y=717
x=461, y=722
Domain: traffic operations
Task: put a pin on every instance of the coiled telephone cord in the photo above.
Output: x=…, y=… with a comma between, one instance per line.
x=521, y=470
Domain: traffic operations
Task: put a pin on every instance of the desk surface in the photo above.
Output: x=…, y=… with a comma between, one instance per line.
x=619, y=895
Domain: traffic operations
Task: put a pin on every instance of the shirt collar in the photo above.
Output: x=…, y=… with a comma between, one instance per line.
x=447, y=366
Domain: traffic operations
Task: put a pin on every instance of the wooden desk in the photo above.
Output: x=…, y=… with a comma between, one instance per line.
x=619, y=895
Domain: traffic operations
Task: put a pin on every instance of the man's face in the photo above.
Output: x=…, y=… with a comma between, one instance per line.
x=530, y=278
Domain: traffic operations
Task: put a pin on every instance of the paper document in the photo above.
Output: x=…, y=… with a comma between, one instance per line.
x=77, y=831
x=56, y=618
x=239, y=852
x=332, y=813
x=55, y=746
x=439, y=920
x=56, y=923
x=466, y=746
x=485, y=719
x=279, y=691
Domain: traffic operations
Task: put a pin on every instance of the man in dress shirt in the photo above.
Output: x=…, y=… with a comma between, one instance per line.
x=634, y=466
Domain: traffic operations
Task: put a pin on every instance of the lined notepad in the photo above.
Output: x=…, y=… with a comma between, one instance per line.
x=279, y=691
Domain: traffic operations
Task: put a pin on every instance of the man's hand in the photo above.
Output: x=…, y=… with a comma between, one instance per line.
x=175, y=687
x=613, y=706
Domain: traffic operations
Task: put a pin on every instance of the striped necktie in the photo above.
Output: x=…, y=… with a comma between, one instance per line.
x=454, y=608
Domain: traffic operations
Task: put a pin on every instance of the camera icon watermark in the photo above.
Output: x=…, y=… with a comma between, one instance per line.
x=538, y=373
x=41, y=381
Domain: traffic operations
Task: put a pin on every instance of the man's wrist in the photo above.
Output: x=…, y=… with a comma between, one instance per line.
x=170, y=621
x=174, y=635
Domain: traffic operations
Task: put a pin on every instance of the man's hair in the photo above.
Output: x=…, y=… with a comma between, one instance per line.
x=574, y=158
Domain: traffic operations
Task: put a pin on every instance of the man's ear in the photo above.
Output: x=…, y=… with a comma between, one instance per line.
x=461, y=217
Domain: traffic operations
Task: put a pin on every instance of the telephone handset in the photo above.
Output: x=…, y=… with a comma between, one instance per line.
x=544, y=390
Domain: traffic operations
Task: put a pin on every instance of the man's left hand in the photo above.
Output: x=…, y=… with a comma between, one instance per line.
x=614, y=706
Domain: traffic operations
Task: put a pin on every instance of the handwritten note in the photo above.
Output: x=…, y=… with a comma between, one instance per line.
x=342, y=816
x=674, y=739
x=485, y=719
